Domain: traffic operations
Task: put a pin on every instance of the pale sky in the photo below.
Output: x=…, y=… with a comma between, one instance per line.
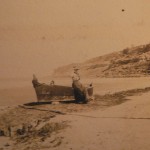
x=37, y=36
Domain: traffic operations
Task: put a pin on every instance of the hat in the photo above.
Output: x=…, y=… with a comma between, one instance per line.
x=75, y=68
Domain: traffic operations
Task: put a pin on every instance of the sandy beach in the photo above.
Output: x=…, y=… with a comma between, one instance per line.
x=124, y=126
x=118, y=118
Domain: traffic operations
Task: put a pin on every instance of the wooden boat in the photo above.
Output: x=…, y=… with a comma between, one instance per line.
x=53, y=92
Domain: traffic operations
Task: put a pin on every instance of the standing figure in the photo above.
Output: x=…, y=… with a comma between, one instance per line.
x=52, y=83
x=80, y=91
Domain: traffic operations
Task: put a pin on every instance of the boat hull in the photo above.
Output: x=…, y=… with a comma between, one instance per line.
x=55, y=92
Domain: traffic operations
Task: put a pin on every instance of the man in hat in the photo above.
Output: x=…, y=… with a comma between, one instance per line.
x=79, y=89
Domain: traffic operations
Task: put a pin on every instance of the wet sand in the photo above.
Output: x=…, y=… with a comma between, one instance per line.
x=124, y=126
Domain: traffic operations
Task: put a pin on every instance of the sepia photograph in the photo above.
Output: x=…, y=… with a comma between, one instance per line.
x=74, y=75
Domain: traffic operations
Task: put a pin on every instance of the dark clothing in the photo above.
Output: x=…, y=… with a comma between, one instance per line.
x=79, y=92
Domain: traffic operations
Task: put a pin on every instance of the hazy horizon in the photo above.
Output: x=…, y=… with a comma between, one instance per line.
x=38, y=36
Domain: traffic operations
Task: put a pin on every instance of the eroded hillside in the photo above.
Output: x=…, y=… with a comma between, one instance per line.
x=126, y=63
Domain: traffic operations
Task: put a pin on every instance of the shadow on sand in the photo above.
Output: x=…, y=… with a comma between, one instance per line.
x=50, y=102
